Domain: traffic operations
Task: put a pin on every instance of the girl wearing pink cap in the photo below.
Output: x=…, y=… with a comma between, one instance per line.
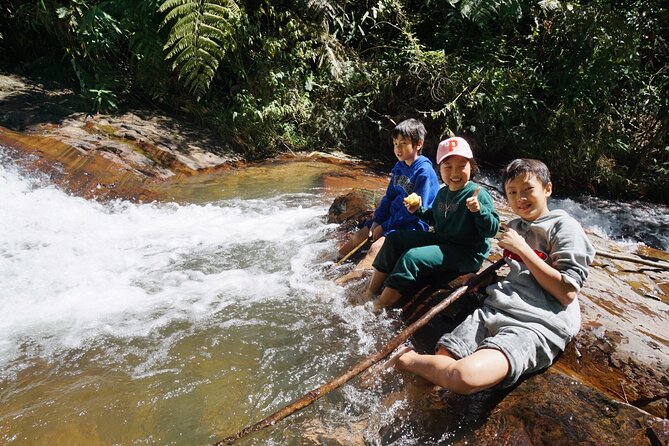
x=463, y=217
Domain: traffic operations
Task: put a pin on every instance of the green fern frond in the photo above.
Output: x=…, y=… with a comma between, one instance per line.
x=200, y=37
x=180, y=11
x=222, y=10
x=168, y=4
x=207, y=30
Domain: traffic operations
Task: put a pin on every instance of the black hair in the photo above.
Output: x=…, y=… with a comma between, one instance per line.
x=522, y=166
x=412, y=129
x=474, y=168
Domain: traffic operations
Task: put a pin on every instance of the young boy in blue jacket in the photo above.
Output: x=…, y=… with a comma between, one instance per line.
x=528, y=317
x=464, y=218
x=413, y=173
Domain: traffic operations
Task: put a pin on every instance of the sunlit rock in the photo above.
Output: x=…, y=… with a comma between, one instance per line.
x=353, y=208
x=618, y=362
x=554, y=409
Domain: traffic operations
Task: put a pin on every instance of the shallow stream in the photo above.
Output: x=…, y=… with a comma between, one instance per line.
x=179, y=324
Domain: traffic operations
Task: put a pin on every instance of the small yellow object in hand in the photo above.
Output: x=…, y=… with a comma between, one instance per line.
x=412, y=200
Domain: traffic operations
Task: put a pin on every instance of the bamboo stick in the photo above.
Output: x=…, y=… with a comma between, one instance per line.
x=352, y=251
x=363, y=365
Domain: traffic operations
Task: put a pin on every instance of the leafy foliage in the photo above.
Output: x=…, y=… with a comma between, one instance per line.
x=581, y=84
x=483, y=12
x=106, y=47
x=199, y=39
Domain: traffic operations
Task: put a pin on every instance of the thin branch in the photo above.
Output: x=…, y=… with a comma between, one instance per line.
x=655, y=264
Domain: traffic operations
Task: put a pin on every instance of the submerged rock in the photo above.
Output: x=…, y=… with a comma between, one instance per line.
x=315, y=432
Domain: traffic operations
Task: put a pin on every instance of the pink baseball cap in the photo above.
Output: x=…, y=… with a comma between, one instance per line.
x=453, y=146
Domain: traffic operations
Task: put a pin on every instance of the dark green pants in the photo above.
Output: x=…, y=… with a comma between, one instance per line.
x=411, y=257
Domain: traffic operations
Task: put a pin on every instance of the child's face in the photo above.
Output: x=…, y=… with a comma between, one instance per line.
x=527, y=196
x=405, y=150
x=455, y=172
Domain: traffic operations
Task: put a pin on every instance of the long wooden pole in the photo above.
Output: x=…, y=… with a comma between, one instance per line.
x=366, y=363
x=352, y=251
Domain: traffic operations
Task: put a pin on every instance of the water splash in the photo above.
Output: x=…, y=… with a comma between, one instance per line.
x=191, y=312
x=72, y=270
x=175, y=324
x=625, y=221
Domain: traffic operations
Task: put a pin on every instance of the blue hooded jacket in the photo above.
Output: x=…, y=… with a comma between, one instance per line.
x=420, y=178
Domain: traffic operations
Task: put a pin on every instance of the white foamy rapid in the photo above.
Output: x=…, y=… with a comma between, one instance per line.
x=627, y=222
x=73, y=270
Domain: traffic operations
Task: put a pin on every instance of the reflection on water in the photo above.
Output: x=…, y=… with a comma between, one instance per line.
x=250, y=182
x=272, y=178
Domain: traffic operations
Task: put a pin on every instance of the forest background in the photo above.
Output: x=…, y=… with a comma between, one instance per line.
x=582, y=85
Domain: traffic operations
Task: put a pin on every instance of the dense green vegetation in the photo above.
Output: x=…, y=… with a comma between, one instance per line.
x=583, y=85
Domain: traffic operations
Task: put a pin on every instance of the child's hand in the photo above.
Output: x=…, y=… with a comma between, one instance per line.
x=413, y=202
x=473, y=201
x=513, y=241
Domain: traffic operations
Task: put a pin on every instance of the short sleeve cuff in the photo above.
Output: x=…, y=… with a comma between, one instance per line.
x=571, y=281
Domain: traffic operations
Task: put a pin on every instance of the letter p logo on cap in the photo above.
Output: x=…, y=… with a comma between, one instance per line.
x=452, y=144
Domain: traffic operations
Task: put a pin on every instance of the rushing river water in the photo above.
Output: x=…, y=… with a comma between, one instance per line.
x=176, y=324
x=141, y=324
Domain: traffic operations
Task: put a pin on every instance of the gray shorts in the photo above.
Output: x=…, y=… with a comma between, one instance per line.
x=526, y=350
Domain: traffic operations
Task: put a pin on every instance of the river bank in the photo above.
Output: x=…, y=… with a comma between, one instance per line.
x=138, y=155
x=145, y=155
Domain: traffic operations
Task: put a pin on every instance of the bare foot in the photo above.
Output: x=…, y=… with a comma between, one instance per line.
x=379, y=306
x=405, y=360
x=358, y=297
x=395, y=357
x=353, y=275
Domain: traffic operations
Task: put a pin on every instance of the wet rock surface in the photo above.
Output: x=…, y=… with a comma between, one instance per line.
x=554, y=409
x=101, y=156
x=611, y=384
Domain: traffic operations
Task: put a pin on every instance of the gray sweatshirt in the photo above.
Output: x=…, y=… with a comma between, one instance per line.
x=521, y=297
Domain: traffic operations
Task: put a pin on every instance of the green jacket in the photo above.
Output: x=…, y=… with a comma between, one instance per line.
x=455, y=224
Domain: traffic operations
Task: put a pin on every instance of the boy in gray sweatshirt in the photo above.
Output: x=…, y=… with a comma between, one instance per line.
x=528, y=317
